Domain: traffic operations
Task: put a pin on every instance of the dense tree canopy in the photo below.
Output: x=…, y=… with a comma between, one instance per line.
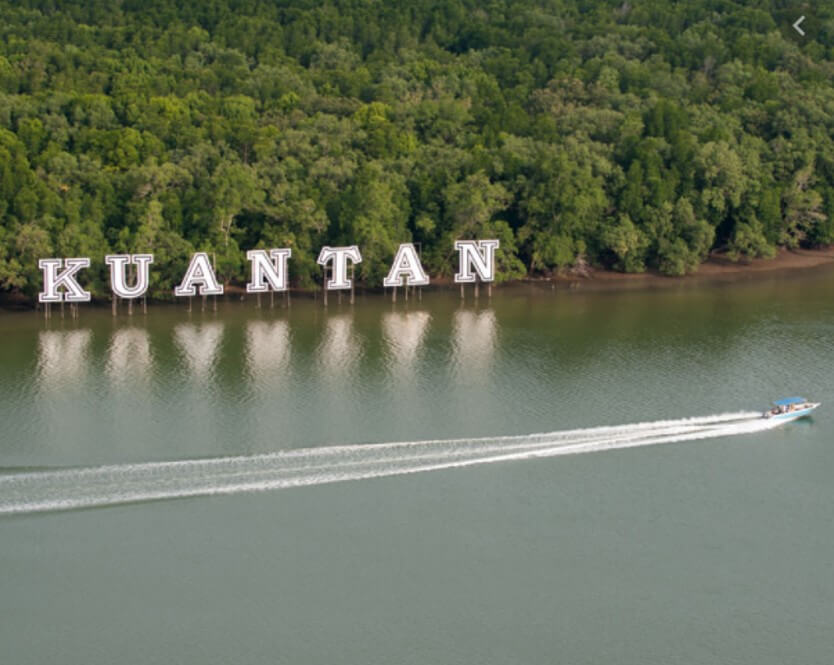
x=628, y=135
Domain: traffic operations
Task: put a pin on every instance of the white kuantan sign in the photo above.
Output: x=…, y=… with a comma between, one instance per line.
x=269, y=271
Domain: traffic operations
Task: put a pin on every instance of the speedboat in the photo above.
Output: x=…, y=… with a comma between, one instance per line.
x=790, y=408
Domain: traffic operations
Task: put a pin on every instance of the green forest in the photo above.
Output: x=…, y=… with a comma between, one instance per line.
x=623, y=135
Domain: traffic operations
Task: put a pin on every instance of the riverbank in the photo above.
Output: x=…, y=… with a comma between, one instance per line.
x=717, y=268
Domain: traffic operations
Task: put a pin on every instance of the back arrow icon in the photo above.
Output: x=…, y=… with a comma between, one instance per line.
x=796, y=25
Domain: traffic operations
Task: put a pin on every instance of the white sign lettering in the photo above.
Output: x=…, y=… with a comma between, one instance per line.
x=406, y=265
x=199, y=274
x=339, y=256
x=118, y=278
x=269, y=271
x=477, y=254
x=268, y=268
x=53, y=280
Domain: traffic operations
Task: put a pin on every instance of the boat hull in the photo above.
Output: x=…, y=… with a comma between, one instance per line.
x=792, y=415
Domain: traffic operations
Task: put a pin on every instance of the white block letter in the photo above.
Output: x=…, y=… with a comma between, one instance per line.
x=53, y=280
x=477, y=254
x=118, y=280
x=339, y=255
x=199, y=273
x=265, y=270
x=406, y=264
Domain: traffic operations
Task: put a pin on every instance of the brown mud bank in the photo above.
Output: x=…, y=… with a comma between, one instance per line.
x=716, y=269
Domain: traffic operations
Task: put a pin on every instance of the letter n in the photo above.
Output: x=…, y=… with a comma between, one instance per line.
x=269, y=270
x=477, y=255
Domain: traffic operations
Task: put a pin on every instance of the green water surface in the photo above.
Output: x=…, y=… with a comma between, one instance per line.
x=712, y=551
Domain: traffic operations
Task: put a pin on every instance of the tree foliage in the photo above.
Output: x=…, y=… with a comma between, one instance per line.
x=634, y=136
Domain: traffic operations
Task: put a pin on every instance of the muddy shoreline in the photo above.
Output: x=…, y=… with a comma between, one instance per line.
x=716, y=269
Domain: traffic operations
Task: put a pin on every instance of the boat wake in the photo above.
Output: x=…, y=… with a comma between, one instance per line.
x=86, y=487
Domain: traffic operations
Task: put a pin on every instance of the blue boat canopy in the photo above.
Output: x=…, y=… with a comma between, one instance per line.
x=789, y=400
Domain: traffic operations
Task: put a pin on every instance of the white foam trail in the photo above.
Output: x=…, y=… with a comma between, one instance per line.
x=63, y=489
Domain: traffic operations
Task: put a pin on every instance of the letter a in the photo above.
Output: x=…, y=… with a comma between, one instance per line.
x=477, y=254
x=201, y=274
x=53, y=280
x=406, y=265
x=118, y=280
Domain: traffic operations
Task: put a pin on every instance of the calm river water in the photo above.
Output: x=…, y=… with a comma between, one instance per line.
x=716, y=547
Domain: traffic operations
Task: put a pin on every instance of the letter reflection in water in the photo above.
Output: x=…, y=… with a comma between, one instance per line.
x=129, y=357
x=63, y=359
x=268, y=408
x=61, y=410
x=404, y=333
x=475, y=337
x=268, y=354
x=339, y=351
x=200, y=347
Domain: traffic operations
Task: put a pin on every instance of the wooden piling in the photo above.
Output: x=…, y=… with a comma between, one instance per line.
x=420, y=256
x=214, y=266
x=130, y=300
